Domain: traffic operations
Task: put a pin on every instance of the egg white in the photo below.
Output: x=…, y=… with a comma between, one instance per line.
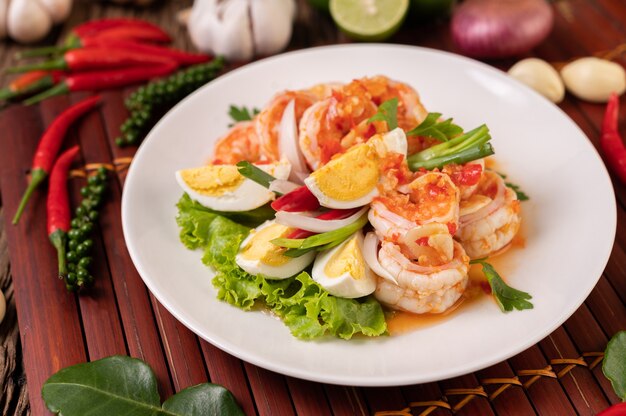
x=256, y=266
x=392, y=142
x=247, y=196
x=344, y=285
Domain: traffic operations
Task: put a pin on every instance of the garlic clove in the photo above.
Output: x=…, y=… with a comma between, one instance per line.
x=222, y=28
x=28, y=21
x=541, y=77
x=58, y=10
x=4, y=6
x=593, y=79
x=271, y=24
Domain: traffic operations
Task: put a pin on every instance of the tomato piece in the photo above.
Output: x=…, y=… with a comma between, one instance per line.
x=298, y=200
x=451, y=228
x=422, y=241
x=469, y=175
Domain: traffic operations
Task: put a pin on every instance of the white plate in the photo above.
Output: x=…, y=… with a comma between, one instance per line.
x=569, y=221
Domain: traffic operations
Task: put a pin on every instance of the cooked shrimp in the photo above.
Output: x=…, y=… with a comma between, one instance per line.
x=421, y=289
x=327, y=122
x=240, y=143
x=268, y=120
x=430, y=198
x=489, y=218
x=324, y=90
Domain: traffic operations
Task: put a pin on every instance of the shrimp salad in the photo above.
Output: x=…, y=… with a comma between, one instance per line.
x=336, y=205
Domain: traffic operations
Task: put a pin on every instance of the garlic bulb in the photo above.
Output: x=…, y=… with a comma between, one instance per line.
x=28, y=21
x=541, y=77
x=593, y=79
x=58, y=10
x=240, y=29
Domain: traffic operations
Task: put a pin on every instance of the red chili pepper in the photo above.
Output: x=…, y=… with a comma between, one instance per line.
x=144, y=32
x=95, y=59
x=618, y=409
x=30, y=82
x=58, y=206
x=49, y=146
x=181, y=57
x=611, y=142
x=101, y=80
x=95, y=27
x=298, y=200
x=333, y=214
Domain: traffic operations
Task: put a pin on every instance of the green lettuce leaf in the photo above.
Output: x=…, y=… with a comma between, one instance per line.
x=304, y=306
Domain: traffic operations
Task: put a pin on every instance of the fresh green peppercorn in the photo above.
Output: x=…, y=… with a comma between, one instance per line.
x=85, y=262
x=88, y=243
x=102, y=171
x=81, y=273
x=71, y=266
x=72, y=256
x=76, y=222
x=86, y=228
x=93, y=180
x=80, y=211
x=71, y=277
x=93, y=215
x=72, y=244
x=119, y=141
x=74, y=234
x=96, y=189
x=131, y=137
x=82, y=249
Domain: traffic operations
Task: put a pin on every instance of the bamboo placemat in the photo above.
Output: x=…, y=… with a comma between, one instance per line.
x=559, y=375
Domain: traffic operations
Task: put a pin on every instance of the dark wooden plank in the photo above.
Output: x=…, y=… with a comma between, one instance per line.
x=384, y=398
x=426, y=392
x=512, y=401
x=271, y=395
x=346, y=401
x=583, y=391
x=50, y=340
x=181, y=349
x=589, y=338
x=546, y=394
x=308, y=398
x=475, y=404
x=133, y=301
x=606, y=307
x=228, y=371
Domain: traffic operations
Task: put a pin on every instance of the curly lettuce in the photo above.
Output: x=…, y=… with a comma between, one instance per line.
x=304, y=306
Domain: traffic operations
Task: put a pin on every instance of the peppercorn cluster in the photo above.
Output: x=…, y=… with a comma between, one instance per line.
x=80, y=241
x=150, y=102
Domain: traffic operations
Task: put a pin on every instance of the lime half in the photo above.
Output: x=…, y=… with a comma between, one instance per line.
x=369, y=20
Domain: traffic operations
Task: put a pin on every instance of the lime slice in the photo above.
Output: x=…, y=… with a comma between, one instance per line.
x=369, y=20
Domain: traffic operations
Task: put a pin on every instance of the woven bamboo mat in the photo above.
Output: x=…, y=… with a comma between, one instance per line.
x=558, y=376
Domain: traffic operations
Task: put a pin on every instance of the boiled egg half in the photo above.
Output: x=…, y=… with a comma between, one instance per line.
x=223, y=188
x=342, y=270
x=350, y=180
x=258, y=255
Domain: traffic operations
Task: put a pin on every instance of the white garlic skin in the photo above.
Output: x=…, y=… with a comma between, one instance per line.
x=593, y=79
x=541, y=77
x=28, y=21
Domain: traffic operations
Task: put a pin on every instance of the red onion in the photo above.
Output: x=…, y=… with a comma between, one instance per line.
x=305, y=222
x=500, y=28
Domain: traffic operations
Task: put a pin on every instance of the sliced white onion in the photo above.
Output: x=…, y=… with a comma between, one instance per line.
x=393, y=250
x=495, y=204
x=370, y=253
x=288, y=144
x=303, y=221
x=282, y=186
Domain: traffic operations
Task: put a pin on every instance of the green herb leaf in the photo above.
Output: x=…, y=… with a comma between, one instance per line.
x=255, y=174
x=506, y=297
x=242, y=113
x=521, y=195
x=323, y=241
x=614, y=363
x=388, y=112
x=120, y=385
x=432, y=127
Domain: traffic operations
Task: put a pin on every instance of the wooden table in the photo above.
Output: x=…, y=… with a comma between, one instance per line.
x=559, y=375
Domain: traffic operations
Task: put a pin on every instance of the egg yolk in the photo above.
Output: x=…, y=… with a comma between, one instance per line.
x=261, y=248
x=348, y=259
x=350, y=176
x=212, y=180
